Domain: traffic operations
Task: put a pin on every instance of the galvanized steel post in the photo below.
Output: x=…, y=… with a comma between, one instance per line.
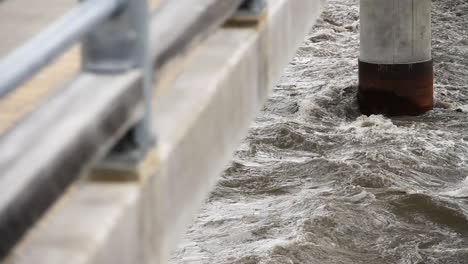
x=250, y=11
x=119, y=44
x=395, y=65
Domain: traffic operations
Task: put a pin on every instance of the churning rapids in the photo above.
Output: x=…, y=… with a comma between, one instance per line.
x=316, y=182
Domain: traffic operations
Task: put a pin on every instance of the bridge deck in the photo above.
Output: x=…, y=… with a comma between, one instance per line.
x=212, y=100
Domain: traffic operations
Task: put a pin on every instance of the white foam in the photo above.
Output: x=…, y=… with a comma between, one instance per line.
x=460, y=191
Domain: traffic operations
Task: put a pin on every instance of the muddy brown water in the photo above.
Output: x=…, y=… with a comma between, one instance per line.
x=317, y=182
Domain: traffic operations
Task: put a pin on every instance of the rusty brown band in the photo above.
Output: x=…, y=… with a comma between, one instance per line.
x=396, y=89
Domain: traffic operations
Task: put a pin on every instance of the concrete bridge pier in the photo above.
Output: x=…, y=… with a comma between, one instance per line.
x=395, y=65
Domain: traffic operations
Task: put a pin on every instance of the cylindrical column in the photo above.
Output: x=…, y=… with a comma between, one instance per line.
x=395, y=65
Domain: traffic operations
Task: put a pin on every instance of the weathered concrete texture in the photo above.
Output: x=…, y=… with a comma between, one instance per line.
x=199, y=121
x=395, y=31
x=20, y=209
x=37, y=164
x=81, y=226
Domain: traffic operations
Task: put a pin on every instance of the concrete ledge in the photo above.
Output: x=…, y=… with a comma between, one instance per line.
x=199, y=121
x=42, y=155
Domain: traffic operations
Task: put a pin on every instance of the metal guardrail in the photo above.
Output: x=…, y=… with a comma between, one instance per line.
x=118, y=49
x=52, y=42
x=115, y=41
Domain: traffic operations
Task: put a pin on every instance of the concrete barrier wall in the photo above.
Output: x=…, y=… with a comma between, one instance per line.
x=200, y=120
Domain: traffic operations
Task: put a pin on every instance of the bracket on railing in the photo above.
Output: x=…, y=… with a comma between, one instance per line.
x=120, y=44
x=250, y=12
x=116, y=45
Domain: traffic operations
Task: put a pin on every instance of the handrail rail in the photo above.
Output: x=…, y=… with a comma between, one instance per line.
x=52, y=42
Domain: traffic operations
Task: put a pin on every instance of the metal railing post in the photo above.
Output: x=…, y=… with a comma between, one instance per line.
x=253, y=6
x=119, y=44
x=114, y=45
x=250, y=11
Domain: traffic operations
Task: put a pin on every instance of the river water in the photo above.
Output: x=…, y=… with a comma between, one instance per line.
x=316, y=182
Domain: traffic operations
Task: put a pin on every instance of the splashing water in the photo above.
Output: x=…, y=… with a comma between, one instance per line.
x=316, y=182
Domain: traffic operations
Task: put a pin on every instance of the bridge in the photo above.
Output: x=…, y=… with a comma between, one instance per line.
x=108, y=149
x=118, y=116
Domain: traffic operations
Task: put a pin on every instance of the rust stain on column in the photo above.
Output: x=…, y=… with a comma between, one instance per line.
x=395, y=89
